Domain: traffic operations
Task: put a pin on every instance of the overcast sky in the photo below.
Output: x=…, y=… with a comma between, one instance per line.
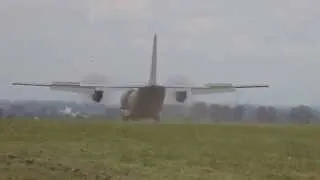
x=249, y=41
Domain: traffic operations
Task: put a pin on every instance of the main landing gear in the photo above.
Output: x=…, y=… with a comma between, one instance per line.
x=127, y=117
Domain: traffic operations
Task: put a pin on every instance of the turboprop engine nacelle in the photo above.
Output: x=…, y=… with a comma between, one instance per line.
x=97, y=96
x=181, y=96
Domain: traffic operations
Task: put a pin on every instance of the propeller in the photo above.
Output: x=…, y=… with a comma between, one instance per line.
x=99, y=79
x=171, y=93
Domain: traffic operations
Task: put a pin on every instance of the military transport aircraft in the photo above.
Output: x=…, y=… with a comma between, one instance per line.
x=143, y=100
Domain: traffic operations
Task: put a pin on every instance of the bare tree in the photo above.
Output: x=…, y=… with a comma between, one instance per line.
x=266, y=114
x=301, y=114
x=199, y=111
x=219, y=113
x=1, y=113
x=261, y=114
x=238, y=113
x=272, y=114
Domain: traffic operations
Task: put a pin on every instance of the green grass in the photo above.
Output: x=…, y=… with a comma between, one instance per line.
x=48, y=149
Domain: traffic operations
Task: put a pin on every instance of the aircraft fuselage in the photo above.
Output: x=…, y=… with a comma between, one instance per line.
x=144, y=102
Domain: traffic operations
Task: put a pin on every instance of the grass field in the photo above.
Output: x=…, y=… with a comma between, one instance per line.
x=47, y=149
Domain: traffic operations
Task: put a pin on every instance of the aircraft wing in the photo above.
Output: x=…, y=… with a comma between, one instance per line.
x=214, y=88
x=85, y=87
x=79, y=87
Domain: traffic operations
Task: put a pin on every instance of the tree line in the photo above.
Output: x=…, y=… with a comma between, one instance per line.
x=199, y=111
x=261, y=114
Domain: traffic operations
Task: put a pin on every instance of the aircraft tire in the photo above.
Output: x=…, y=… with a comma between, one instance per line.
x=157, y=118
x=125, y=118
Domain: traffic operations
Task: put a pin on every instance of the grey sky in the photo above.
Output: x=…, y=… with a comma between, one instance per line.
x=249, y=41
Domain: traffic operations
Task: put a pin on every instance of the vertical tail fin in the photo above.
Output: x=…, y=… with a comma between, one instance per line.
x=153, y=70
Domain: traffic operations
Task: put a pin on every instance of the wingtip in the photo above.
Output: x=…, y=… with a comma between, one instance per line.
x=17, y=84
